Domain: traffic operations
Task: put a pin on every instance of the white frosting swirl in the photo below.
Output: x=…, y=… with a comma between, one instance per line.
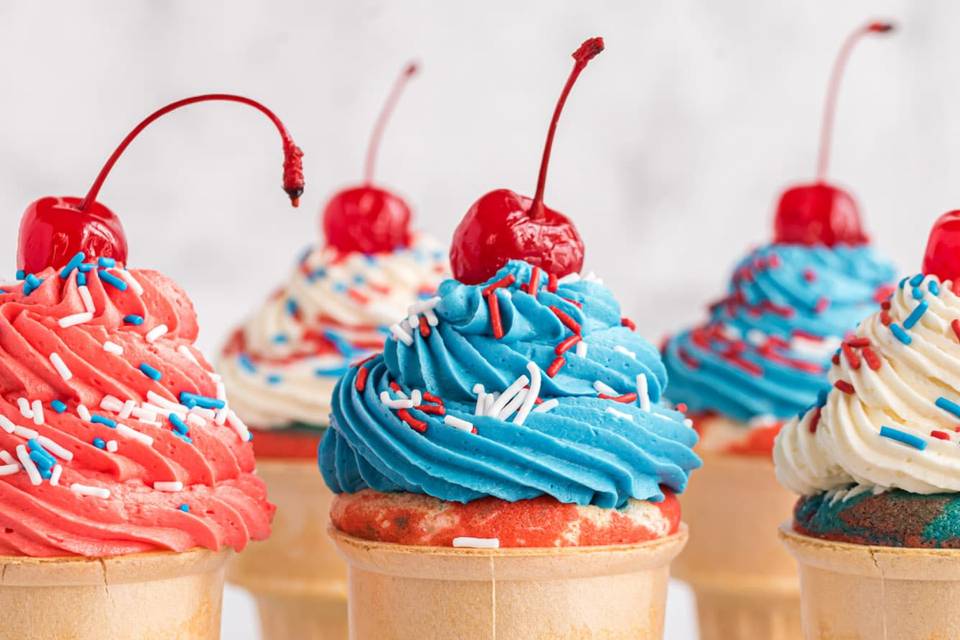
x=889, y=432
x=282, y=364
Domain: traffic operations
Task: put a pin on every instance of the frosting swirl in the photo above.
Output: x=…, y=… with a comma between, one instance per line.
x=890, y=419
x=516, y=388
x=114, y=435
x=766, y=345
x=282, y=364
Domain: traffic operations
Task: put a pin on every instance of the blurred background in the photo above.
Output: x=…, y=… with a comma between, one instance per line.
x=671, y=153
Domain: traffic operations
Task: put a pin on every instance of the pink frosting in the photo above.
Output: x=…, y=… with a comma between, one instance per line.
x=221, y=503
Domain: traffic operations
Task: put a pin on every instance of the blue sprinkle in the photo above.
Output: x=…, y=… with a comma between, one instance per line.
x=281, y=338
x=109, y=278
x=81, y=279
x=916, y=280
x=184, y=507
x=178, y=424
x=96, y=418
x=74, y=262
x=904, y=437
x=326, y=372
x=933, y=287
x=44, y=460
x=917, y=293
x=339, y=287
x=915, y=315
x=903, y=282
x=133, y=319
x=31, y=284
x=316, y=274
x=106, y=263
x=900, y=334
x=370, y=258
x=246, y=363
x=341, y=344
x=274, y=378
x=58, y=406
x=948, y=405
x=822, y=396
x=99, y=443
x=184, y=437
x=191, y=400
x=359, y=279
x=292, y=306
x=150, y=372
x=21, y=274
x=85, y=268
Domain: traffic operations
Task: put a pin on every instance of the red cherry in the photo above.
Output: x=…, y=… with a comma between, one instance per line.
x=503, y=225
x=821, y=213
x=53, y=230
x=942, y=258
x=365, y=218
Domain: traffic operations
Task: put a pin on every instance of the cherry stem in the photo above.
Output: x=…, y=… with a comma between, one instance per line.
x=382, y=119
x=292, y=163
x=587, y=51
x=830, y=103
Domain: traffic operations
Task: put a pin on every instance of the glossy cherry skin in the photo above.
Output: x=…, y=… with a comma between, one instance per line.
x=818, y=213
x=942, y=258
x=367, y=220
x=500, y=227
x=53, y=229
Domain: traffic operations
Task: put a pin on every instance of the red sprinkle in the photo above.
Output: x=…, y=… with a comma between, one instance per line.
x=625, y=398
x=578, y=305
x=429, y=397
x=628, y=323
x=434, y=409
x=844, y=386
x=885, y=318
x=822, y=305
x=564, y=346
x=681, y=407
x=552, y=283
x=360, y=382
x=569, y=322
x=555, y=366
x=942, y=435
x=359, y=297
x=395, y=386
x=955, y=325
x=809, y=275
x=688, y=359
x=495, y=321
x=534, y=281
x=505, y=281
x=851, y=355
x=424, y=327
x=859, y=343
x=417, y=425
x=873, y=360
x=815, y=420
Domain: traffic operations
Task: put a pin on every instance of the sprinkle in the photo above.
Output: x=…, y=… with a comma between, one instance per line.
x=133, y=319
x=493, y=302
x=933, y=287
x=55, y=475
x=25, y=432
x=940, y=435
x=458, y=423
x=127, y=409
x=400, y=334
x=21, y=274
x=112, y=446
x=292, y=307
x=234, y=421
x=643, y=392
x=917, y=293
x=37, y=409
x=815, y=420
x=31, y=283
x=948, y=405
x=9, y=469
x=113, y=347
x=476, y=543
x=156, y=333
x=844, y=386
x=534, y=284
x=61, y=367
x=55, y=448
x=133, y=434
x=184, y=507
x=106, y=263
x=392, y=403
x=822, y=305
x=581, y=349
x=111, y=403
x=902, y=436
x=505, y=281
x=197, y=420
x=604, y=388
x=85, y=490
x=568, y=342
x=86, y=298
x=513, y=405
x=111, y=279
x=508, y=395
x=6, y=424
x=83, y=412
x=58, y=406
x=547, y=405
x=900, y=334
x=417, y=425
x=851, y=355
x=552, y=283
x=75, y=319
x=99, y=443
x=567, y=321
x=6, y=457
x=178, y=424
x=130, y=280
x=24, y=407
x=619, y=414
x=28, y=465
x=150, y=372
x=99, y=419
x=625, y=351
x=82, y=279
x=191, y=400
x=915, y=315
x=556, y=365
x=916, y=280
x=873, y=360
x=172, y=487
x=185, y=351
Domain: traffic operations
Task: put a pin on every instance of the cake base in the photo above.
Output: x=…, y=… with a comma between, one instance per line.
x=744, y=581
x=144, y=596
x=406, y=592
x=296, y=576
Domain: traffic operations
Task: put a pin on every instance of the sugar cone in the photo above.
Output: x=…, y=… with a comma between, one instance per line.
x=145, y=596
x=442, y=593
x=860, y=592
x=744, y=580
x=296, y=576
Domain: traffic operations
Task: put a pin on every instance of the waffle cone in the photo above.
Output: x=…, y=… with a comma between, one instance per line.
x=145, y=596
x=296, y=576
x=406, y=592
x=744, y=580
x=860, y=592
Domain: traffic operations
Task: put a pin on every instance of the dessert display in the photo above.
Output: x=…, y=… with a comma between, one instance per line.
x=342, y=299
x=505, y=467
x=126, y=478
x=875, y=461
x=758, y=360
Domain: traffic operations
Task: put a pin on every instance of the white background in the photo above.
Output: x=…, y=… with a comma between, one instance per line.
x=671, y=153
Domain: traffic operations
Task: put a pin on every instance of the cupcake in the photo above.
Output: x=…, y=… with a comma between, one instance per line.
x=126, y=480
x=509, y=467
x=758, y=360
x=876, y=465
x=339, y=303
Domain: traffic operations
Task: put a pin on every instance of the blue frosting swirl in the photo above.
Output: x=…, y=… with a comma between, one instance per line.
x=587, y=449
x=756, y=355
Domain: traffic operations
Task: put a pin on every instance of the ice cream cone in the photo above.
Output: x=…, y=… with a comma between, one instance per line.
x=296, y=576
x=860, y=592
x=405, y=592
x=146, y=596
x=744, y=580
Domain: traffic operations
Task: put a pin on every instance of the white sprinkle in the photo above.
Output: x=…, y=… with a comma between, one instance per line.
x=113, y=347
x=221, y=417
x=185, y=351
x=25, y=432
x=127, y=409
x=145, y=412
x=195, y=420
x=756, y=337
x=203, y=412
x=625, y=351
x=75, y=319
x=32, y=472
x=643, y=394
x=422, y=306
x=112, y=446
x=688, y=423
x=111, y=403
x=216, y=377
x=60, y=366
x=160, y=401
x=9, y=469
x=6, y=457
x=127, y=277
x=570, y=277
x=416, y=397
x=37, y=408
x=24, y=405
x=400, y=334
x=55, y=475
x=619, y=414
x=55, y=448
x=85, y=490
x=458, y=423
x=156, y=333
x=234, y=421
x=513, y=405
x=168, y=486
x=124, y=430
x=857, y=490
x=83, y=412
x=431, y=317
x=413, y=320
x=532, y=394
x=221, y=391
x=481, y=399
x=508, y=395
x=581, y=349
x=592, y=277
x=477, y=543
x=395, y=404
x=87, y=299
x=6, y=424
x=604, y=389
x=488, y=401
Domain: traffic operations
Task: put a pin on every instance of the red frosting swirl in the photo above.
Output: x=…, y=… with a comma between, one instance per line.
x=221, y=501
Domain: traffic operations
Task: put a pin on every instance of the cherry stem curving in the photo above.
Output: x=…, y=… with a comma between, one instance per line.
x=836, y=76
x=292, y=163
x=382, y=119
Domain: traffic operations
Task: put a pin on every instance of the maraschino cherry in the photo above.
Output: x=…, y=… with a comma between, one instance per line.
x=368, y=219
x=54, y=229
x=942, y=258
x=821, y=213
x=503, y=225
